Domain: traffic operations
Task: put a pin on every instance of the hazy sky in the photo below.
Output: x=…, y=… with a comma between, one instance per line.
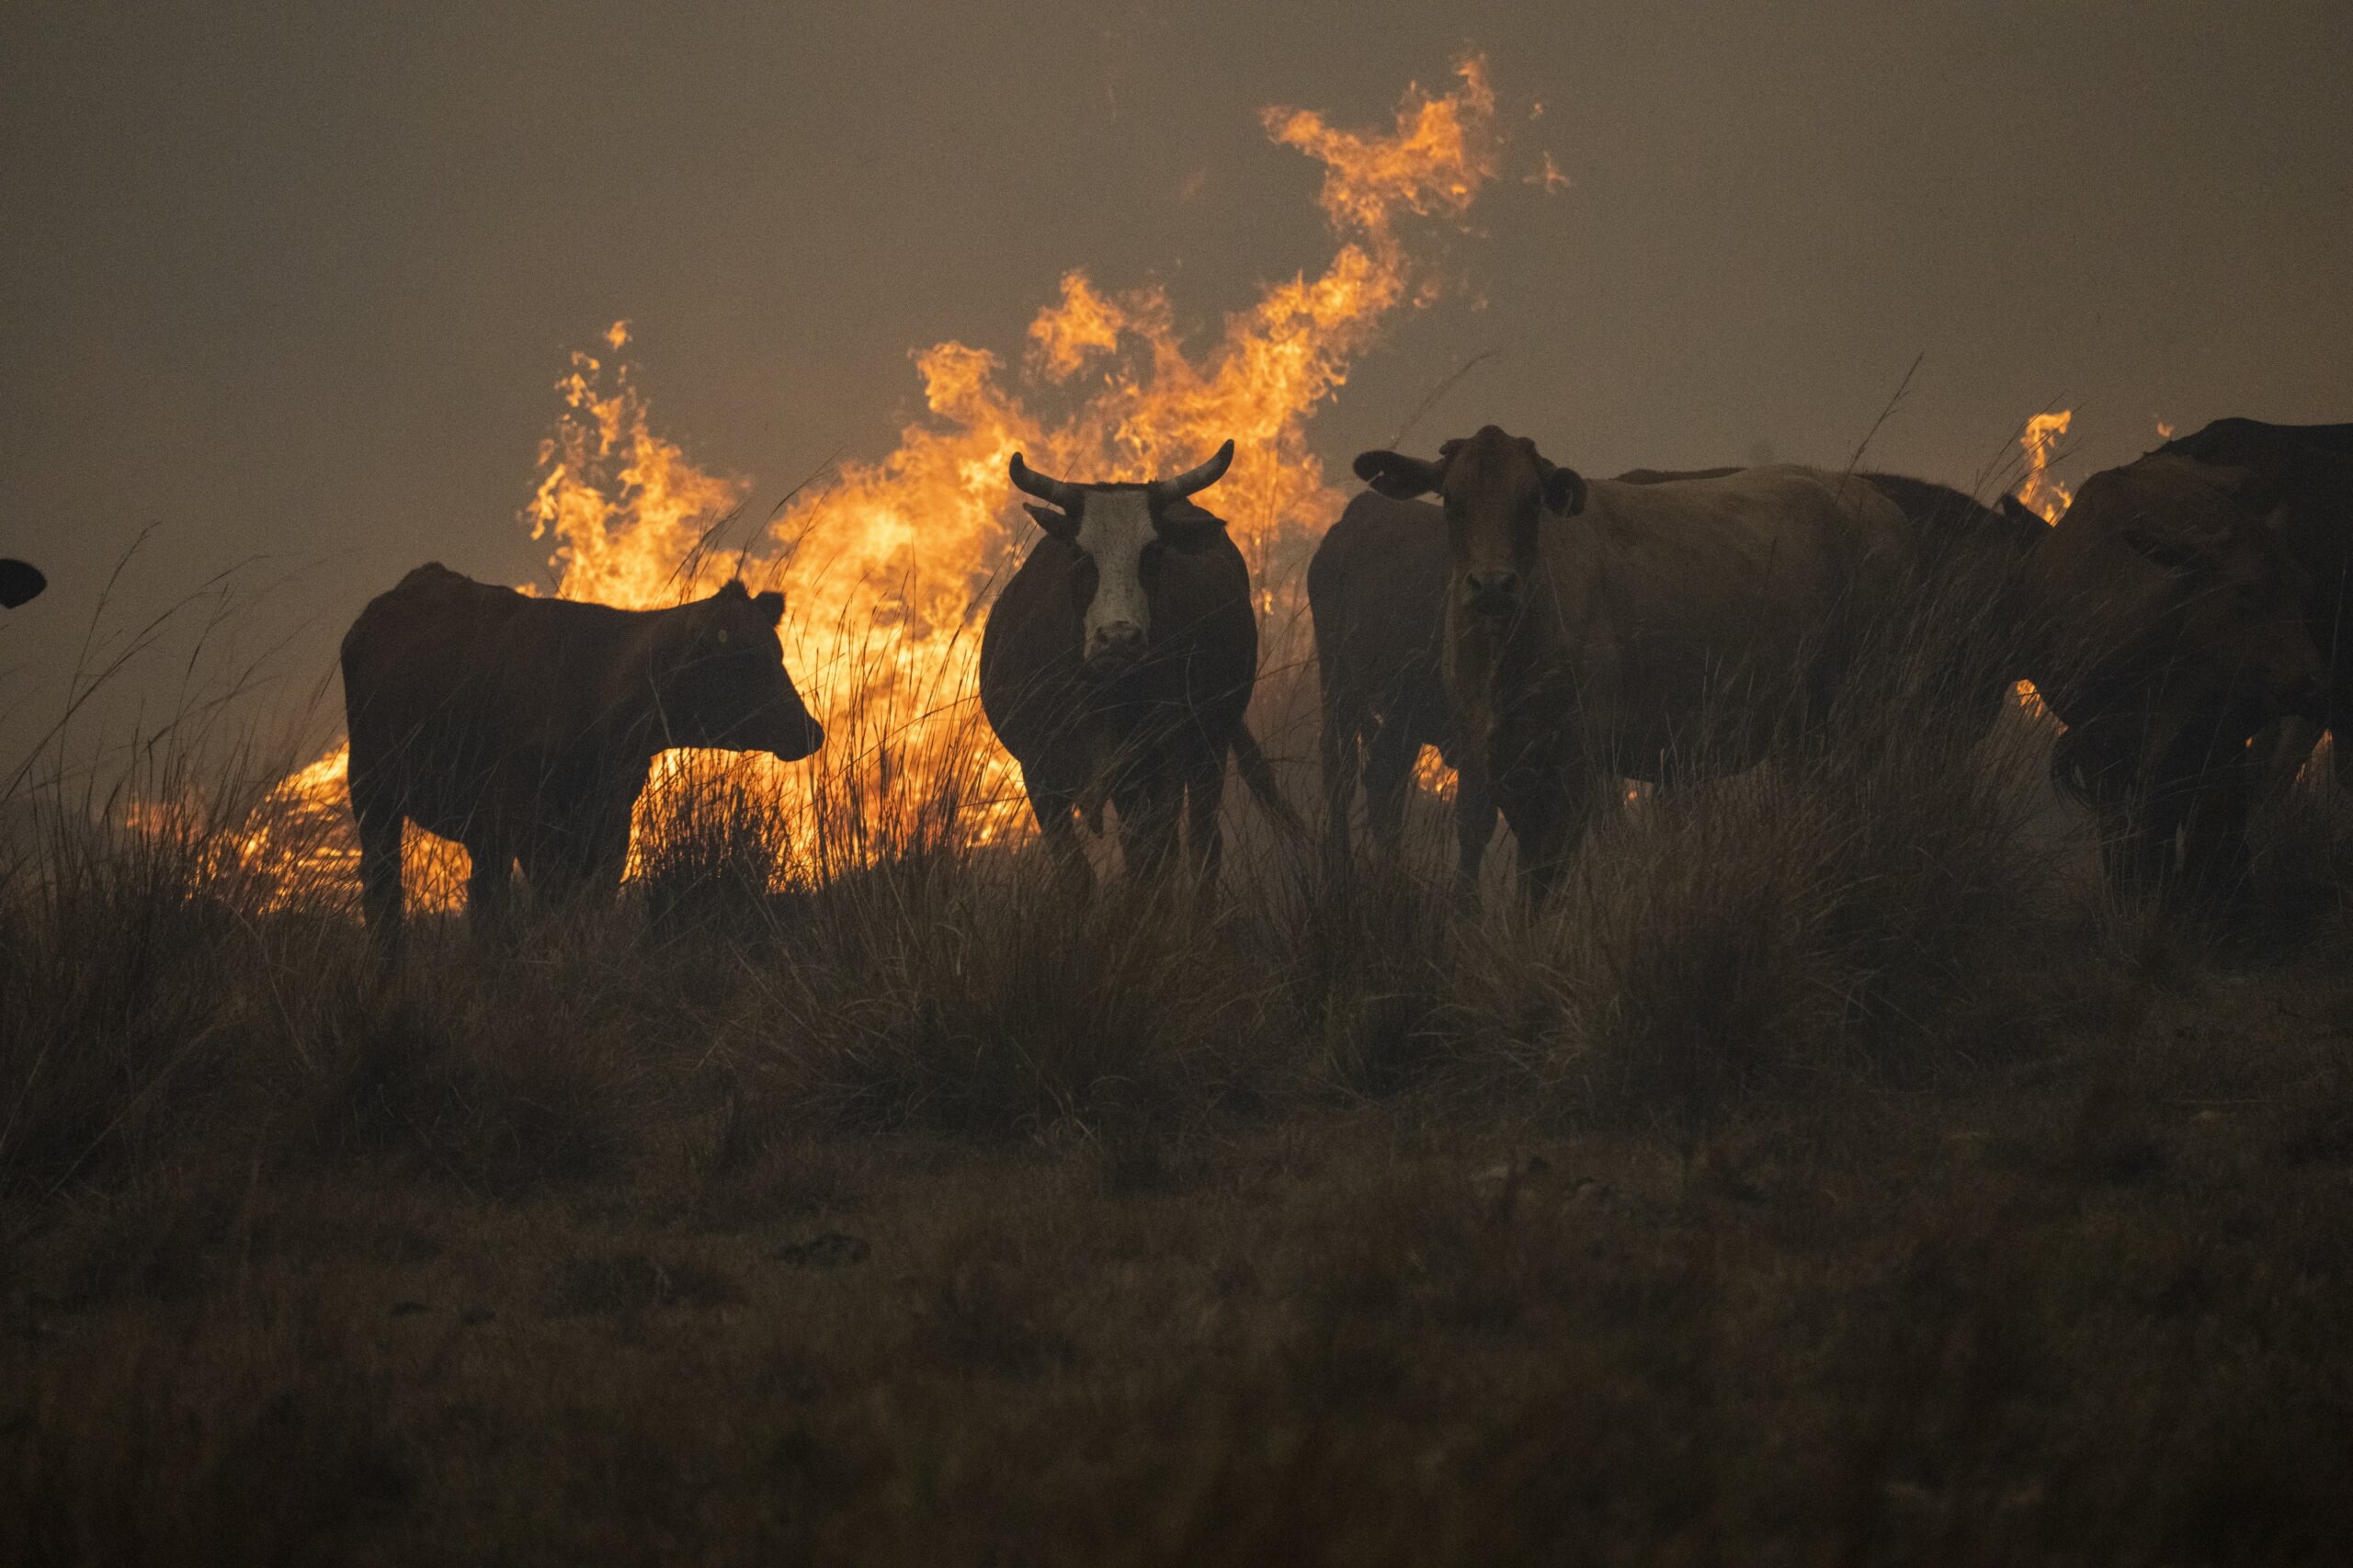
x=297, y=284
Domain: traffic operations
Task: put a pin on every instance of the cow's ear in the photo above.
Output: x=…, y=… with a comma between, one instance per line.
x=1060, y=524
x=20, y=583
x=1397, y=476
x=2018, y=511
x=1565, y=491
x=770, y=605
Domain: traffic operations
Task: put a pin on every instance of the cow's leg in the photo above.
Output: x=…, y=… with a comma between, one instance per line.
x=490, y=882
x=607, y=853
x=1057, y=814
x=1204, y=792
x=2135, y=846
x=2278, y=758
x=593, y=852
x=1388, y=773
x=2216, y=865
x=1547, y=809
x=1336, y=749
x=381, y=893
x=1474, y=822
x=1147, y=800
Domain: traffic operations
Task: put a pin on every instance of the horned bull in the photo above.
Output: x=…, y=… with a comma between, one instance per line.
x=1118, y=663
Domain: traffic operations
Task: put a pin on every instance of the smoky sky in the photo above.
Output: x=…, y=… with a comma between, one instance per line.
x=294, y=285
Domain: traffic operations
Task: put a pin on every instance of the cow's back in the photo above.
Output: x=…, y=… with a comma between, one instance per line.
x=461, y=698
x=1732, y=568
x=1706, y=613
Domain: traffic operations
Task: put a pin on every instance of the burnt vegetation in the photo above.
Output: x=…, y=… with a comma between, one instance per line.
x=1834, y=1170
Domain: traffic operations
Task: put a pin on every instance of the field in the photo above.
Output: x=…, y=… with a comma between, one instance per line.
x=1835, y=1174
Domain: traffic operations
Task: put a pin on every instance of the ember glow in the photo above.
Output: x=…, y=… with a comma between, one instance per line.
x=887, y=569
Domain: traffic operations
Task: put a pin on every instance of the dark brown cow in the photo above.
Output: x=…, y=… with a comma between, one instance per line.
x=20, y=583
x=1118, y=663
x=2188, y=611
x=1595, y=629
x=2303, y=473
x=1376, y=591
x=524, y=728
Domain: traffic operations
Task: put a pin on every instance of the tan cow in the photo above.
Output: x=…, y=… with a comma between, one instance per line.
x=1596, y=629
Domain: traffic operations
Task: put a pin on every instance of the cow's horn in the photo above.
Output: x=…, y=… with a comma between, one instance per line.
x=1061, y=492
x=1194, y=479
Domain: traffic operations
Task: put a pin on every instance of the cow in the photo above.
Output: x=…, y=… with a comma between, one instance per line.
x=1376, y=587
x=2183, y=597
x=1376, y=593
x=20, y=583
x=1966, y=605
x=2305, y=472
x=1117, y=665
x=524, y=728
x=1597, y=629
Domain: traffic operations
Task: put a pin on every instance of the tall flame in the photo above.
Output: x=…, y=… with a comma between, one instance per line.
x=2044, y=496
x=887, y=569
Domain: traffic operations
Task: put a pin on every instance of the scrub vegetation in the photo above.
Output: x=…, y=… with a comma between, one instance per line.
x=1833, y=1173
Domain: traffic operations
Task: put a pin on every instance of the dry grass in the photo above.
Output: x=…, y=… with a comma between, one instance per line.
x=1829, y=1177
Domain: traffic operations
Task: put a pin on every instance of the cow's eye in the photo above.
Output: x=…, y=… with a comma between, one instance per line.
x=723, y=637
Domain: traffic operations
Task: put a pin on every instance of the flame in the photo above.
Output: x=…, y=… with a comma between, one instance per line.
x=1432, y=777
x=2047, y=498
x=2042, y=495
x=627, y=509
x=887, y=570
x=2164, y=430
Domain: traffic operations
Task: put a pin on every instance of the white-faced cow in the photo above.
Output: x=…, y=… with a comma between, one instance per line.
x=1117, y=665
x=1598, y=628
x=524, y=728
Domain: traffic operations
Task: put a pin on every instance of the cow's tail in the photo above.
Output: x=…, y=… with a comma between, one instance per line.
x=1260, y=778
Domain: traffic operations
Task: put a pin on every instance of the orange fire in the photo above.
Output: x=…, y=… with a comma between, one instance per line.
x=887, y=569
x=2044, y=496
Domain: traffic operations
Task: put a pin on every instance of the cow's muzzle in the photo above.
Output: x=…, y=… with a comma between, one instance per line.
x=1493, y=595
x=809, y=735
x=1114, y=649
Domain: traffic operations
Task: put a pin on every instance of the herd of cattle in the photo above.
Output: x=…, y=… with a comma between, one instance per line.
x=1549, y=634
